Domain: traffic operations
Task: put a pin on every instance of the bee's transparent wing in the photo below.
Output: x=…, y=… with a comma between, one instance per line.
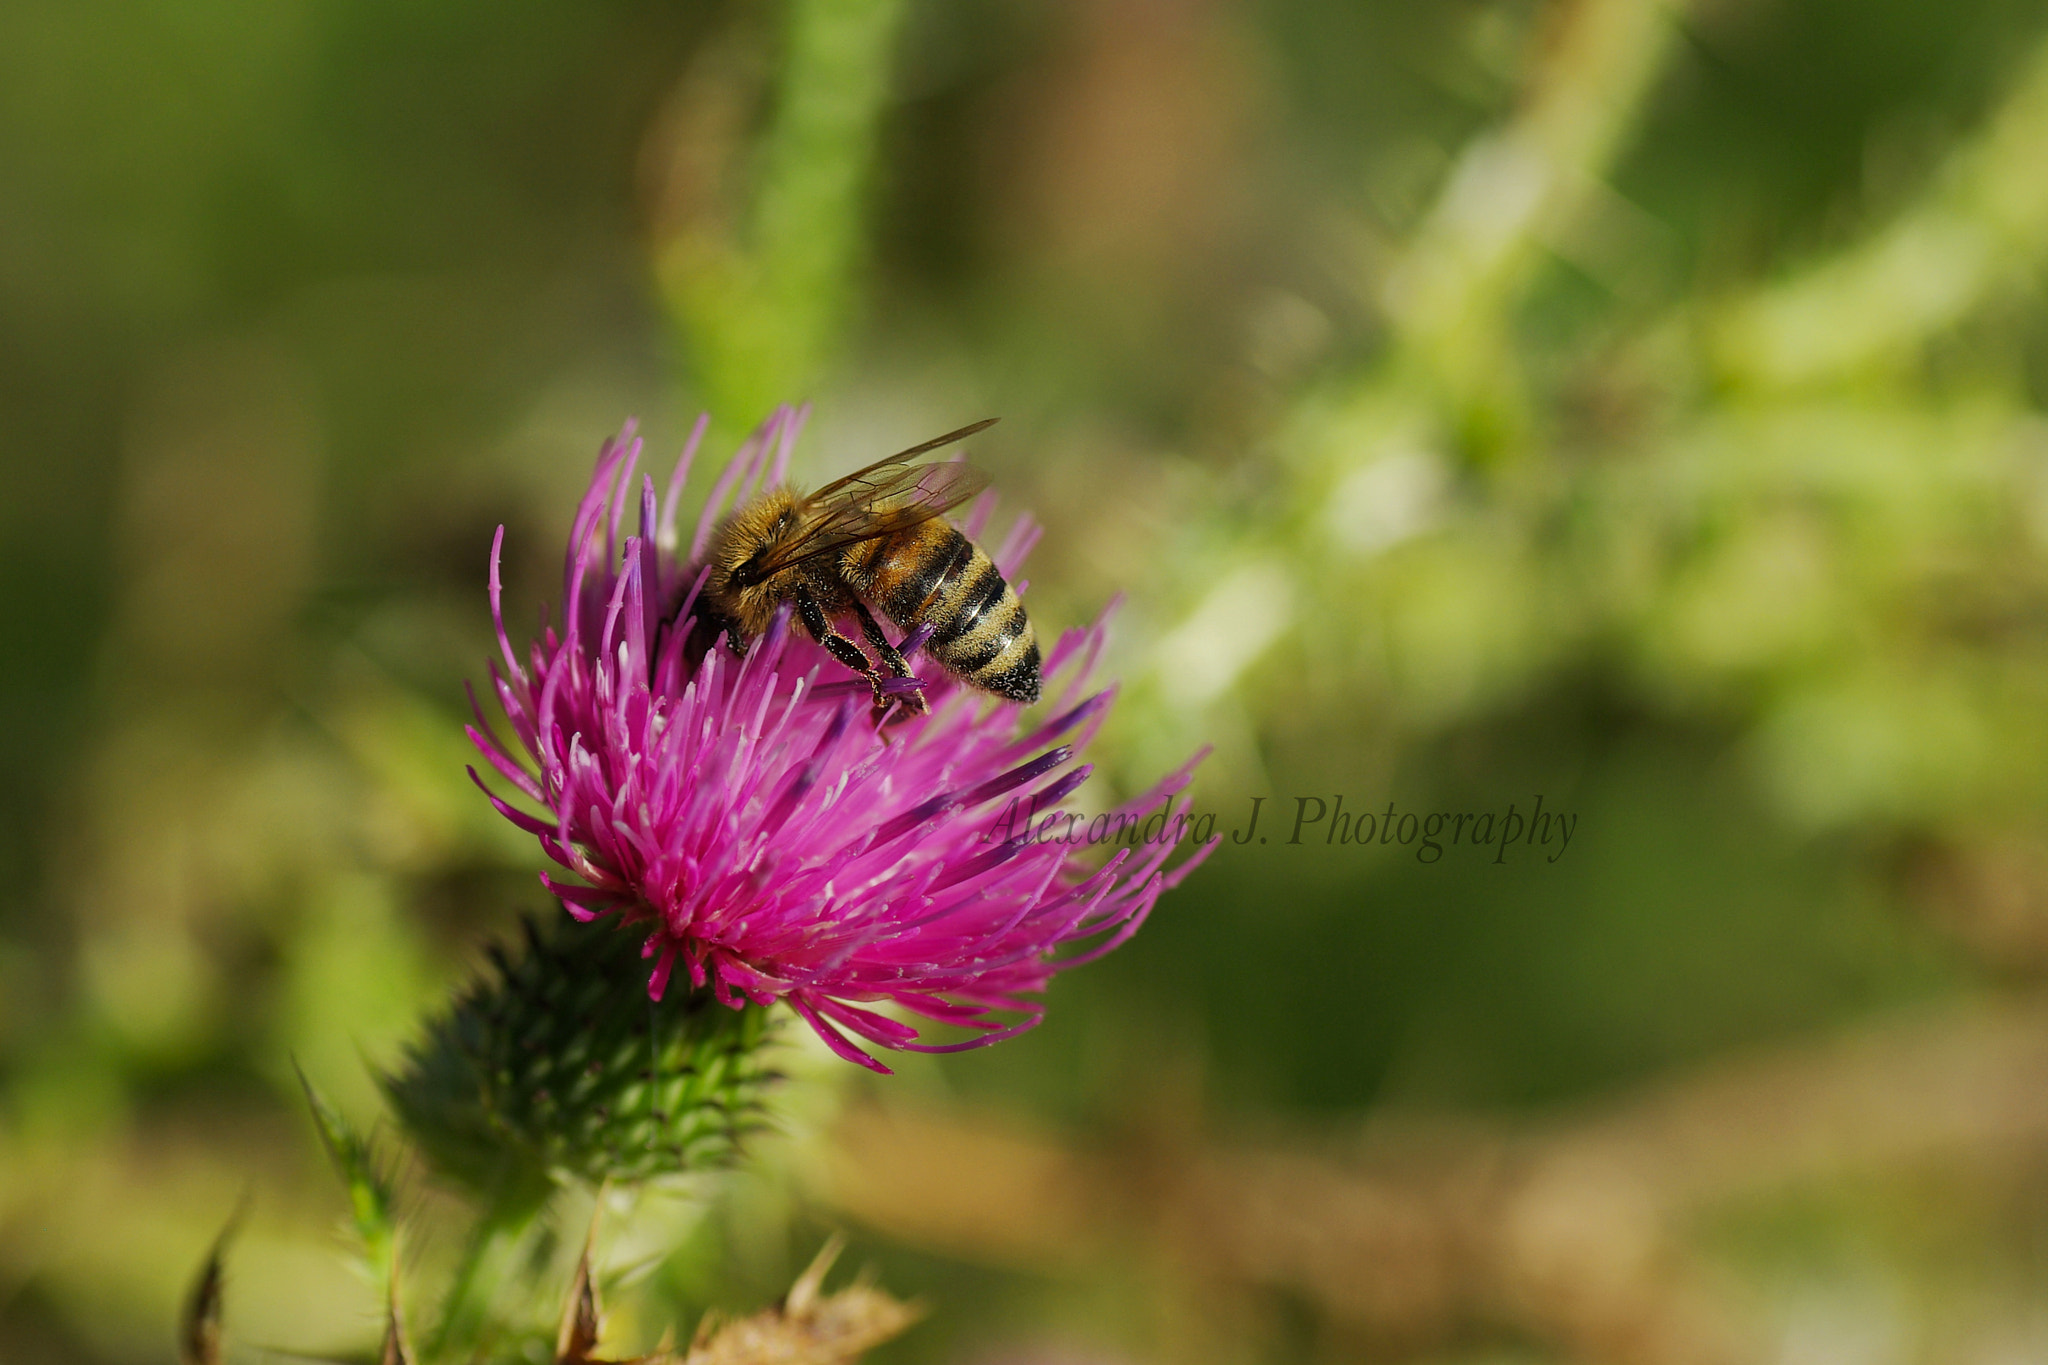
x=886, y=497
x=879, y=502
x=900, y=461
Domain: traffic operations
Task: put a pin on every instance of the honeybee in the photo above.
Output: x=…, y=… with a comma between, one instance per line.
x=877, y=537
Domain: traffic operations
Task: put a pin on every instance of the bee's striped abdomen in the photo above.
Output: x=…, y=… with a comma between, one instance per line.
x=913, y=568
x=934, y=575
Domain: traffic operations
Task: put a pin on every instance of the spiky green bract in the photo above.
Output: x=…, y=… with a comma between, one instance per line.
x=559, y=1065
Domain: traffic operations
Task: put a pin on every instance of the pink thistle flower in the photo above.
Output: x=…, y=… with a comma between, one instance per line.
x=751, y=819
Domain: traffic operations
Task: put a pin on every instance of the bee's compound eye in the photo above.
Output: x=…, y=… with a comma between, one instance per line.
x=749, y=573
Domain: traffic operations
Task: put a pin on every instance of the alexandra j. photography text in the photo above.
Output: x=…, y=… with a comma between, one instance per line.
x=1502, y=836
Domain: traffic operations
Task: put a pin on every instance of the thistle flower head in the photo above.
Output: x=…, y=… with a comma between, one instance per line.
x=749, y=819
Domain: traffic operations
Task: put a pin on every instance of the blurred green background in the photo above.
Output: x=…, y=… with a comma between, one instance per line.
x=1634, y=403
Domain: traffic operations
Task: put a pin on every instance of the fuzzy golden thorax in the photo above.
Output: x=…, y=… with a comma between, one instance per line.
x=747, y=538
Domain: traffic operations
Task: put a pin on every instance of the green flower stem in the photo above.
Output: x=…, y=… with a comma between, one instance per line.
x=479, y=1280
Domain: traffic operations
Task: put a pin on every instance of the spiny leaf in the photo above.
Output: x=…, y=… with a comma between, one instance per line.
x=199, y=1325
x=370, y=1193
x=199, y=1332
x=396, y=1350
x=582, y=1315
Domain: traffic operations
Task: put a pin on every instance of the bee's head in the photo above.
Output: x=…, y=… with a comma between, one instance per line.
x=748, y=542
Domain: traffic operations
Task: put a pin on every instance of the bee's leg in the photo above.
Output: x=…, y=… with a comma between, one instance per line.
x=843, y=649
x=913, y=702
x=734, y=641
x=707, y=628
